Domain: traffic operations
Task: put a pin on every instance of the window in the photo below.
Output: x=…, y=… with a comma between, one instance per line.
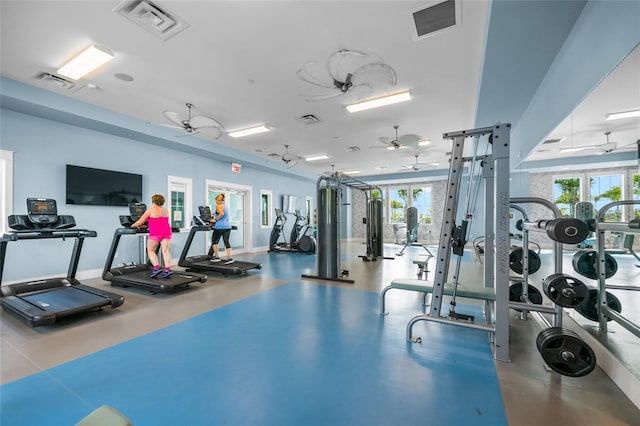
x=180, y=196
x=636, y=195
x=604, y=190
x=422, y=201
x=6, y=183
x=266, y=210
x=566, y=193
x=398, y=204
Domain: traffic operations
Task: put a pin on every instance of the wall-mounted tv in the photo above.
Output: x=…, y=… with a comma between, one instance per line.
x=96, y=187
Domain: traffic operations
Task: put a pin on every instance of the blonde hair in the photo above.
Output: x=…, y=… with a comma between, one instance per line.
x=220, y=197
x=157, y=199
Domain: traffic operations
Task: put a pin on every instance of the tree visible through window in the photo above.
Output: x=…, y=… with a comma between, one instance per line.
x=636, y=195
x=604, y=190
x=566, y=193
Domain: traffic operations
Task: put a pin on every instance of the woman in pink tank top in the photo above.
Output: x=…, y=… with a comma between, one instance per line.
x=157, y=219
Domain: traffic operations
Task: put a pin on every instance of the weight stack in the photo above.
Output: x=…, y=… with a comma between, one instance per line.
x=328, y=227
x=375, y=226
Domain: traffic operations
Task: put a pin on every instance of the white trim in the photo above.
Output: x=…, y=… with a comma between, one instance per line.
x=6, y=181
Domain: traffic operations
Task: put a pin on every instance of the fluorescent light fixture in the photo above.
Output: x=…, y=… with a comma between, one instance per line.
x=576, y=149
x=350, y=172
x=424, y=142
x=433, y=164
x=625, y=114
x=316, y=157
x=249, y=131
x=87, y=61
x=379, y=102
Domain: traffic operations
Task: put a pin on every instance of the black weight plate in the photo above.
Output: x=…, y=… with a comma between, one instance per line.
x=584, y=263
x=516, y=261
x=567, y=231
x=589, y=309
x=565, y=353
x=565, y=291
x=515, y=292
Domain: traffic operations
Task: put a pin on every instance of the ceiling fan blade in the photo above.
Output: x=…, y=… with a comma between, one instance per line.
x=304, y=75
x=378, y=74
x=322, y=97
x=200, y=121
x=174, y=117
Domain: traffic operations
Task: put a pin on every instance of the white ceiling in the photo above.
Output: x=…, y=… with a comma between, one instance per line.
x=237, y=63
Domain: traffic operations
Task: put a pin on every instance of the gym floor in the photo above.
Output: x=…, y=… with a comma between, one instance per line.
x=271, y=348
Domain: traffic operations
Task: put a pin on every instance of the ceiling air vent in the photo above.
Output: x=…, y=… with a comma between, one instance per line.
x=549, y=141
x=352, y=149
x=308, y=119
x=435, y=17
x=158, y=21
x=59, y=82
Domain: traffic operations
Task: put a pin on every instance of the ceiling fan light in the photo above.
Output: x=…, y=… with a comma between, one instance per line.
x=249, y=131
x=379, y=102
x=624, y=114
x=316, y=157
x=87, y=61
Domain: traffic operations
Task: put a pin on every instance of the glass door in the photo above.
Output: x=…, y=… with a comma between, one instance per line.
x=235, y=200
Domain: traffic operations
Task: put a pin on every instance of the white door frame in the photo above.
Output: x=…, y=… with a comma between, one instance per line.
x=246, y=214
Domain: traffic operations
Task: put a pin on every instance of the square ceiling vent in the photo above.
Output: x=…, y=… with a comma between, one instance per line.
x=59, y=82
x=435, y=17
x=158, y=21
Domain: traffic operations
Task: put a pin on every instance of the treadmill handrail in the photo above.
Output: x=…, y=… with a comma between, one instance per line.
x=49, y=233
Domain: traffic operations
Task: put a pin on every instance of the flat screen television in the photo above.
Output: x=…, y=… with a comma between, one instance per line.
x=96, y=187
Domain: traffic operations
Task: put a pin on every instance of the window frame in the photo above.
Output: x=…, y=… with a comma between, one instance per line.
x=269, y=208
x=173, y=182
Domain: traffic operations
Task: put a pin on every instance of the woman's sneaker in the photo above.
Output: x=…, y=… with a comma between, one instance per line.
x=155, y=273
x=229, y=261
x=215, y=259
x=167, y=273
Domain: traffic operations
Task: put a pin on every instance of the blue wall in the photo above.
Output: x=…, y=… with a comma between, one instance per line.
x=43, y=148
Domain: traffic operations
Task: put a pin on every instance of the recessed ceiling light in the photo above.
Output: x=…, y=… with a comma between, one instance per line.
x=87, y=61
x=379, y=102
x=316, y=157
x=249, y=131
x=624, y=114
x=123, y=77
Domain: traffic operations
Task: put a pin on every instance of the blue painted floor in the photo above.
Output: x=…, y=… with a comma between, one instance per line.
x=298, y=354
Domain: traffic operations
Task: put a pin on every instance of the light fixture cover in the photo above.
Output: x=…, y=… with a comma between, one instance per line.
x=316, y=157
x=87, y=61
x=379, y=102
x=249, y=131
x=624, y=114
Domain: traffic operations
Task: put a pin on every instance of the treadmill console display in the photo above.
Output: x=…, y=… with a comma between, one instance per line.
x=42, y=210
x=136, y=210
x=205, y=213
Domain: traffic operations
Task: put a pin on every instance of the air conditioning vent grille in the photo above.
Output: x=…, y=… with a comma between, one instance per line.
x=436, y=17
x=158, y=21
x=59, y=82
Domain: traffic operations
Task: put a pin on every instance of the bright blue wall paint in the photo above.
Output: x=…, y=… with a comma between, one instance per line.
x=44, y=147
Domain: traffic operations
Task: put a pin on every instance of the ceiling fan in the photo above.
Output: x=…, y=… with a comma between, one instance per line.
x=404, y=141
x=605, y=148
x=352, y=72
x=287, y=157
x=418, y=166
x=193, y=123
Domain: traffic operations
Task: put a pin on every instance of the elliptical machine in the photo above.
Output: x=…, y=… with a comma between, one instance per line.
x=299, y=241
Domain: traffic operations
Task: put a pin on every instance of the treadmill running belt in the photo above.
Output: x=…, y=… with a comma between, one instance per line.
x=66, y=300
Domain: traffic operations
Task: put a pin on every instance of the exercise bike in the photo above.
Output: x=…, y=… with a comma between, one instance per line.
x=299, y=241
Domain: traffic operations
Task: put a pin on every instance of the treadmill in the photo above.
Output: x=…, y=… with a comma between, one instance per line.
x=138, y=275
x=203, y=262
x=43, y=302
